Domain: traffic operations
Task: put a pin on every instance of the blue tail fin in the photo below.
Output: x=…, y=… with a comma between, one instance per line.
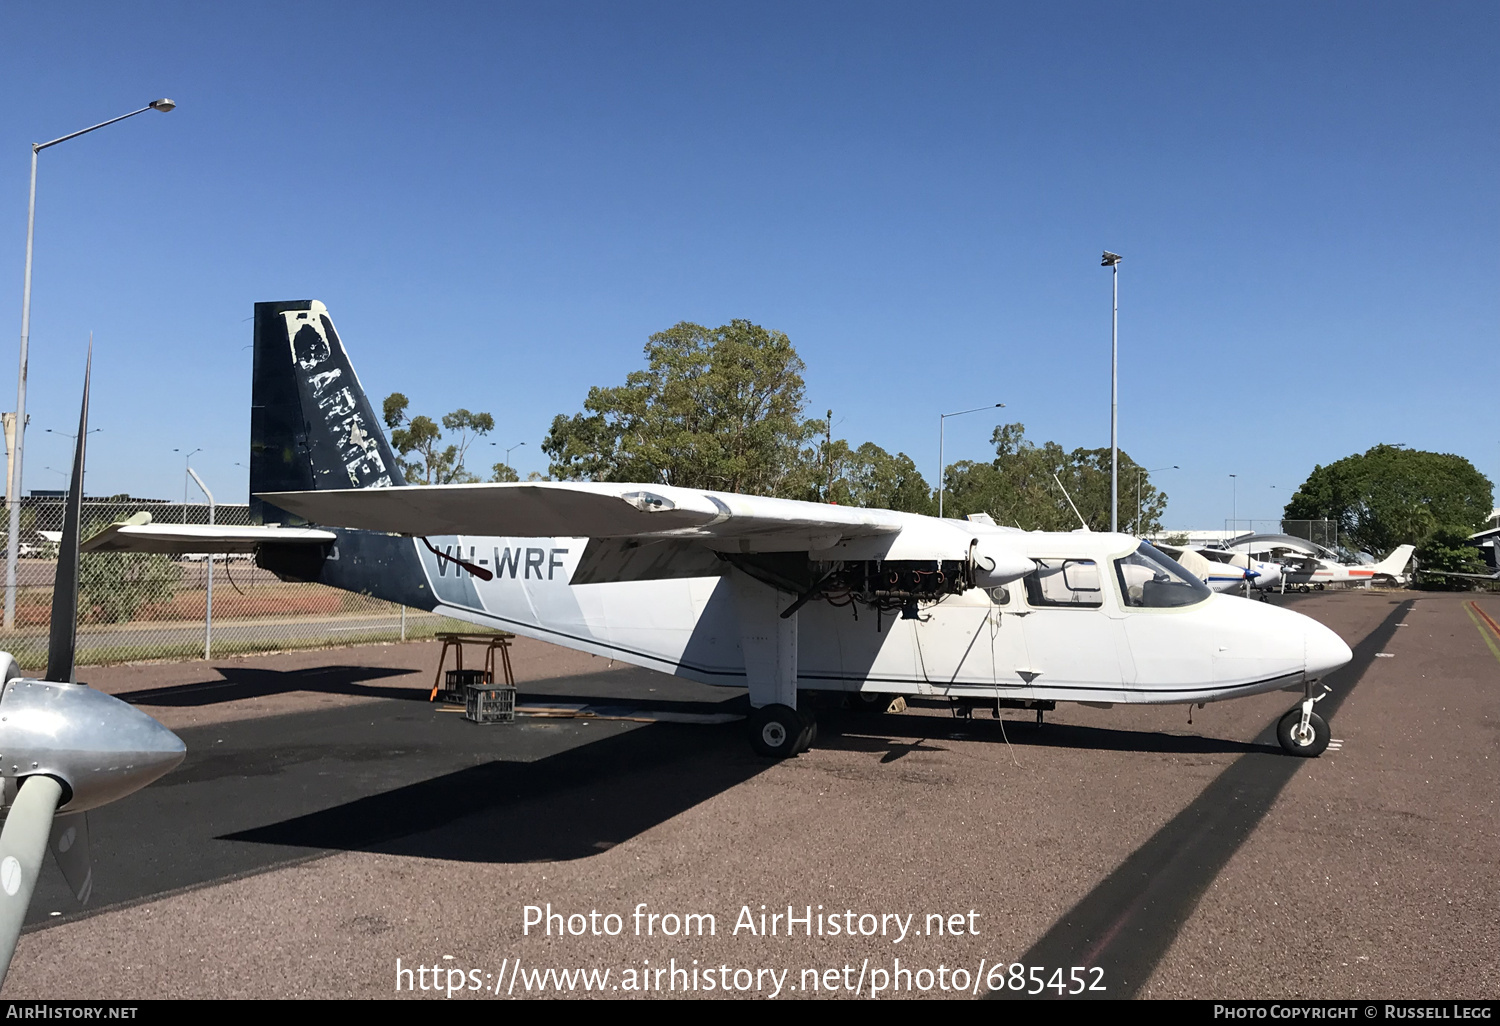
x=312, y=427
x=311, y=424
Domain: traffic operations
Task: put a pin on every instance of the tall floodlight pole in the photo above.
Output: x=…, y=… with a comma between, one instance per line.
x=943, y=467
x=1112, y=261
x=13, y=485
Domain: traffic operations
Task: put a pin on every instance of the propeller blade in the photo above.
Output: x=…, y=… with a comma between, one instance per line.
x=69, y=842
x=23, y=842
x=62, y=639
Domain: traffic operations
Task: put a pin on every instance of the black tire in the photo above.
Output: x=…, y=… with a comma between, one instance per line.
x=1304, y=746
x=776, y=731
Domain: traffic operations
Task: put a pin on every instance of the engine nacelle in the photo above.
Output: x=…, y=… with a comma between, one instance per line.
x=994, y=566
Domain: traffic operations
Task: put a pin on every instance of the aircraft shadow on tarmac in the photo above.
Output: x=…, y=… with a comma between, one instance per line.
x=588, y=798
x=890, y=734
x=568, y=805
x=241, y=682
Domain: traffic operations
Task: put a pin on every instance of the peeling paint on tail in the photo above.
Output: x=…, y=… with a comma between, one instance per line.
x=312, y=427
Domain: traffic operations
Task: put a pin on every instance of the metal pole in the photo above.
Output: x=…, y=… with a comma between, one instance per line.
x=941, y=475
x=942, y=468
x=1114, y=407
x=403, y=623
x=208, y=617
x=13, y=485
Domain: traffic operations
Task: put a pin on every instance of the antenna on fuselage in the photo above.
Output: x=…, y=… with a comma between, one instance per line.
x=1077, y=514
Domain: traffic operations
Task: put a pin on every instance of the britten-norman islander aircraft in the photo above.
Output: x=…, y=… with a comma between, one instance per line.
x=776, y=595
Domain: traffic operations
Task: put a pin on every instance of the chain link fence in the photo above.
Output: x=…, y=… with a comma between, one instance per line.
x=136, y=606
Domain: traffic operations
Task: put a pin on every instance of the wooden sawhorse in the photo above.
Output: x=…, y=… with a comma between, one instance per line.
x=456, y=642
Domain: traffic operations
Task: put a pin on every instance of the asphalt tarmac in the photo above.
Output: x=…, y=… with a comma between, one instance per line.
x=328, y=822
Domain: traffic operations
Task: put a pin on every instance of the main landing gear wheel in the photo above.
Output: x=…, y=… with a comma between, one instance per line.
x=779, y=731
x=1306, y=741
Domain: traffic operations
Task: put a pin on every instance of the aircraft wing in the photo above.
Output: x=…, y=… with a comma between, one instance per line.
x=1454, y=573
x=138, y=534
x=593, y=510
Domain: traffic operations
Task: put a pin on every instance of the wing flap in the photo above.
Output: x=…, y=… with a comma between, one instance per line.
x=606, y=560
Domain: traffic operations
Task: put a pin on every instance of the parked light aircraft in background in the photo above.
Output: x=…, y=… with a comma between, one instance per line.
x=1307, y=565
x=1225, y=572
x=771, y=594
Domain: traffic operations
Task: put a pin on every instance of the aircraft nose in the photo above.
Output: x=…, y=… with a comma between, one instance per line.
x=1326, y=651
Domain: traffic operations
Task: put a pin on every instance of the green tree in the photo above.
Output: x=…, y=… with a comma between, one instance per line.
x=1391, y=495
x=112, y=586
x=436, y=463
x=1020, y=487
x=873, y=478
x=717, y=408
x=502, y=473
x=470, y=427
x=1449, y=548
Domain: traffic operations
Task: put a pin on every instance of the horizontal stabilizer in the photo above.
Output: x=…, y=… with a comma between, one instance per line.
x=591, y=510
x=138, y=534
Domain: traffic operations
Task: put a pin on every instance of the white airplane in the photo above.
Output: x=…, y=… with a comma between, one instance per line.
x=1307, y=565
x=1225, y=572
x=775, y=595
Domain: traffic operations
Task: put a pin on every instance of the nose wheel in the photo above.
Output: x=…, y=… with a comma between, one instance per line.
x=1303, y=732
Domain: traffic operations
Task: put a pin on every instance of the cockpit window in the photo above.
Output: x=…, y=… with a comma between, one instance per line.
x=1071, y=583
x=1149, y=579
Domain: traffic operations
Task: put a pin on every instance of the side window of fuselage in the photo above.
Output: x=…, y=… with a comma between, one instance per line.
x=1065, y=584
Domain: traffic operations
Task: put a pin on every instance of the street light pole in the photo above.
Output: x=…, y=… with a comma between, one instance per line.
x=208, y=617
x=13, y=485
x=942, y=467
x=1112, y=261
x=187, y=466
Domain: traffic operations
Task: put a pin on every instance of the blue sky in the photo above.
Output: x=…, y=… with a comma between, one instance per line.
x=500, y=202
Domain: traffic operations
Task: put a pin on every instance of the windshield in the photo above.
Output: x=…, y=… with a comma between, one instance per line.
x=1150, y=579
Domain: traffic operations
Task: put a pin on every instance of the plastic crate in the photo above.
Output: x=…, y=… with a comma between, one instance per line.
x=456, y=684
x=488, y=703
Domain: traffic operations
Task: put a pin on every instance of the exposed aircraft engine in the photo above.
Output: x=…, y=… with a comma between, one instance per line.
x=891, y=585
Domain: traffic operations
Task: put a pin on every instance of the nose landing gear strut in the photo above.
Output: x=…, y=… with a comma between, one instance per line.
x=1302, y=731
